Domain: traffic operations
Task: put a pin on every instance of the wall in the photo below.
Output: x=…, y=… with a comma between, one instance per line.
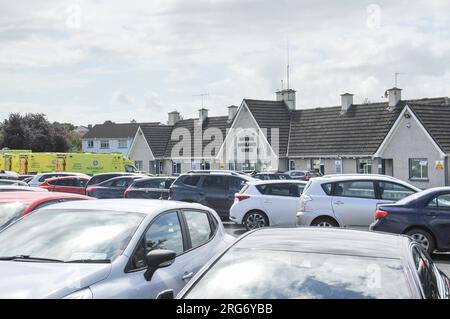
x=113, y=146
x=141, y=152
x=413, y=142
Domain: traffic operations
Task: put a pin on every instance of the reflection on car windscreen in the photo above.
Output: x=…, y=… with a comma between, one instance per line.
x=10, y=212
x=257, y=275
x=70, y=235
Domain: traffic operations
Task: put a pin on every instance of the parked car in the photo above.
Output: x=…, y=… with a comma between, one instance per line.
x=424, y=216
x=272, y=176
x=112, y=188
x=214, y=189
x=150, y=188
x=108, y=249
x=319, y=263
x=267, y=203
x=66, y=184
x=9, y=175
x=303, y=175
x=14, y=205
x=100, y=178
x=12, y=188
x=348, y=200
x=40, y=178
x=12, y=182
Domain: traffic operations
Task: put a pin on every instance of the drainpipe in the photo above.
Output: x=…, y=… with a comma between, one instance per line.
x=446, y=170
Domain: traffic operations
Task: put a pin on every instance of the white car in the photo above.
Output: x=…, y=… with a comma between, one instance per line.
x=348, y=200
x=40, y=178
x=267, y=203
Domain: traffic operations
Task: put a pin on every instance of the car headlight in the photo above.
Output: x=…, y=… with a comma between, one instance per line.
x=80, y=294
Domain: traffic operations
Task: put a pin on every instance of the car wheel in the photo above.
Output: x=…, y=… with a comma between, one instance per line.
x=324, y=222
x=423, y=237
x=255, y=219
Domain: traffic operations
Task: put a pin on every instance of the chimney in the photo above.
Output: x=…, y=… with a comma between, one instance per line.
x=232, y=110
x=202, y=114
x=174, y=117
x=395, y=96
x=346, y=102
x=288, y=96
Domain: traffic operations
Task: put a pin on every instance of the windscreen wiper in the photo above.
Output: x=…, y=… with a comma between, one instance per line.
x=89, y=261
x=30, y=259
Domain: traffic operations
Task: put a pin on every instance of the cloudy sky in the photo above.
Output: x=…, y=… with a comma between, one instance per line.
x=87, y=61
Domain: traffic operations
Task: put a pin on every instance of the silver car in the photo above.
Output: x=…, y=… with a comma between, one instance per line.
x=348, y=200
x=120, y=248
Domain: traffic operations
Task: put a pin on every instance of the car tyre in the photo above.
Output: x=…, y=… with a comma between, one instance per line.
x=424, y=238
x=255, y=219
x=325, y=222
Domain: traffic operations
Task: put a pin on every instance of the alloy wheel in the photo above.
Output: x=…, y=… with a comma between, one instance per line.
x=255, y=220
x=422, y=240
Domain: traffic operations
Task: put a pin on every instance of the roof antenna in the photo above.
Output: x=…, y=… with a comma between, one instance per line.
x=203, y=96
x=288, y=65
x=396, y=78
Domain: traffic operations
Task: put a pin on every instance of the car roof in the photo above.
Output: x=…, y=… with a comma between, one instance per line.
x=30, y=197
x=67, y=177
x=143, y=206
x=327, y=241
x=155, y=177
x=114, y=173
x=350, y=177
x=277, y=181
x=123, y=177
x=218, y=173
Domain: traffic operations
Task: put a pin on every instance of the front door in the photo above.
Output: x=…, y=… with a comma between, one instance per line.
x=214, y=192
x=437, y=215
x=281, y=203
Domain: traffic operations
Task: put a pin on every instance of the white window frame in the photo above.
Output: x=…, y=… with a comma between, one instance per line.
x=120, y=143
x=90, y=144
x=422, y=176
x=104, y=142
x=369, y=163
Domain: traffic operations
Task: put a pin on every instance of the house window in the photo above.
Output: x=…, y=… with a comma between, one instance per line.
x=318, y=166
x=205, y=166
x=365, y=166
x=104, y=144
x=123, y=144
x=292, y=165
x=90, y=144
x=139, y=165
x=176, y=169
x=418, y=169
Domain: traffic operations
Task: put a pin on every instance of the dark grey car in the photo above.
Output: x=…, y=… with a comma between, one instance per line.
x=150, y=188
x=320, y=263
x=213, y=189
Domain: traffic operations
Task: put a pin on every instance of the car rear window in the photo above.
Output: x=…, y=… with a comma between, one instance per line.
x=326, y=188
x=191, y=180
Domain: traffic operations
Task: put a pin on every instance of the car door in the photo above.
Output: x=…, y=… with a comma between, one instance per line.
x=166, y=231
x=234, y=186
x=65, y=185
x=118, y=188
x=214, y=193
x=280, y=202
x=437, y=217
x=354, y=202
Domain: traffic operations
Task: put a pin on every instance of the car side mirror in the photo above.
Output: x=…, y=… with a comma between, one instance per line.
x=156, y=259
x=166, y=294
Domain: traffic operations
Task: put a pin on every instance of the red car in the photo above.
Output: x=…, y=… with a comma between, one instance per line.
x=66, y=184
x=14, y=205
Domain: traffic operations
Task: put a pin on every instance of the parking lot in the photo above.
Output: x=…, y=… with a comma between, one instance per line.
x=442, y=260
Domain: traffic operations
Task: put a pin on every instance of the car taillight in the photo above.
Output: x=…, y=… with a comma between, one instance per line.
x=379, y=214
x=90, y=189
x=241, y=197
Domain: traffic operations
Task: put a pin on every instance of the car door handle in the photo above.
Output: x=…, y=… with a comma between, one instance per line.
x=201, y=194
x=338, y=203
x=187, y=276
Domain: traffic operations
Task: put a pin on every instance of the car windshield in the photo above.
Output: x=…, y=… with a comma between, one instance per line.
x=10, y=212
x=256, y=275
x=70, y=235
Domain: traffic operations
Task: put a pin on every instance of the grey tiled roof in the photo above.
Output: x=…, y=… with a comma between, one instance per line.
x=113, y=130
x=157, y=137
x=272, y=115
x=436, y=120
x=327, y=132
x=220, y=122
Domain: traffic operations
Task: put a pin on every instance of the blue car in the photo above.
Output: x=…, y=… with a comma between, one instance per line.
x=112, y=188
x=424, y=216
